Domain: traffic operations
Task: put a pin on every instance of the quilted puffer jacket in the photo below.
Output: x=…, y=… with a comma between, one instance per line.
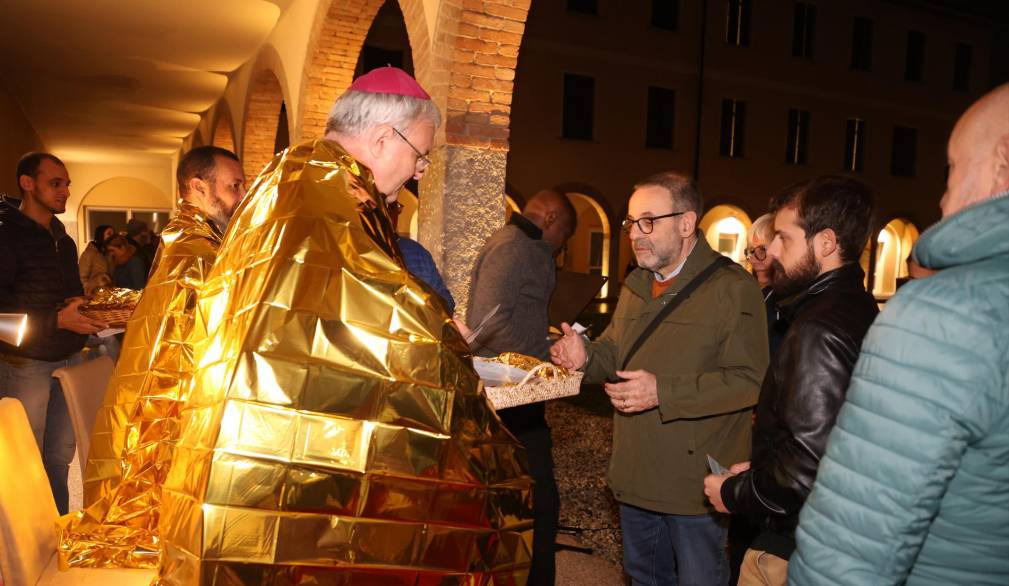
x=914, y=487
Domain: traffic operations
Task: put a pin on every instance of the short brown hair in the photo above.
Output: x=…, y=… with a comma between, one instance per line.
x=837, y=202
x=29, y=165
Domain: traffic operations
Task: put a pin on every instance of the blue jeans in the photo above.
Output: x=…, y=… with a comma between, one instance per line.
x=674, y=550
x=31, y=382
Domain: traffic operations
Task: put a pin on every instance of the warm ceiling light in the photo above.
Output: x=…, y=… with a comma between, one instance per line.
x=12, y=327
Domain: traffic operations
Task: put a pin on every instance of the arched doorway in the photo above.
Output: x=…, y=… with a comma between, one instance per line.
x=726, y=228
x=588, y=251
x=263, y=122
x=117, y=200
x=893, y=247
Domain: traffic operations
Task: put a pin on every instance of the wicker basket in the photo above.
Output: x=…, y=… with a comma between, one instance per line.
x=114, y=318
x=535, y=388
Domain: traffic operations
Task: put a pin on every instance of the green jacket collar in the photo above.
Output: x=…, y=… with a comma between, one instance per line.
x=640, y=280
x=976, y=233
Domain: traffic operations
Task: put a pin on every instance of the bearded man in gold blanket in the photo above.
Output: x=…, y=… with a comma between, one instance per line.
x=336, y=432
x=137, y=425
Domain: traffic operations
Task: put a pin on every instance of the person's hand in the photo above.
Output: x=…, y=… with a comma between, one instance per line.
x=713, y=490
x=569, y=351
x=463, y=329
x=637, y=392
x=739, y=467
x=70, y=318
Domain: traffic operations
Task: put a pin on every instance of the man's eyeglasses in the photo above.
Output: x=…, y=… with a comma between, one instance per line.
x=422, y=160
x=646, y=225
x=757, y=252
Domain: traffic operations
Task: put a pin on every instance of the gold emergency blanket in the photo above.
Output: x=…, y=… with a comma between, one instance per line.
x=137, y=425
x=335, y=431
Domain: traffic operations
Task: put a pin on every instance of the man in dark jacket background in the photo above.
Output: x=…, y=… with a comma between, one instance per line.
x=820, y=229
x=516, y=273
x=39, y=277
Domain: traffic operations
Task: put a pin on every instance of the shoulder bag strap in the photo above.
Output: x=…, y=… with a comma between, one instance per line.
x=675, y=302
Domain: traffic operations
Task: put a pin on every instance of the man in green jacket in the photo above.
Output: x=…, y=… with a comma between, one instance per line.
x=914, y=488
x=684, y=394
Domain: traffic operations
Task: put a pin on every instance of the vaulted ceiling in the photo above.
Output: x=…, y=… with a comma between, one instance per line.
x=104, y=80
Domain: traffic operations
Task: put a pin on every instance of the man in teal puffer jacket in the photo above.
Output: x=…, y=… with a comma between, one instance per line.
x=915, y=485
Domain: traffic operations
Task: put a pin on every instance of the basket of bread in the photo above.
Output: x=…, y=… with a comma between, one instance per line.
x=512, y=379
x=111, y=305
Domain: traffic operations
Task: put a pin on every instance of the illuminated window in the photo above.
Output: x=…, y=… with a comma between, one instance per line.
x=797, y=143
x=893, y=248
x=733, y=137
x=854, y=145
x=725, y=228
x=118, y=217
x=737, y=23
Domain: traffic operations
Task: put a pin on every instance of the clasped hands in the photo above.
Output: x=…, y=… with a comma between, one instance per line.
x=635, y=393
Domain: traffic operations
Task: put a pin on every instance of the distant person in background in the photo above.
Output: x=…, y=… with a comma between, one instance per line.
x=141, y=236
x=516, y=273
x=128, y=268
x=760, y=237
x=741, y=531
x=761, y=234
x=93, y=266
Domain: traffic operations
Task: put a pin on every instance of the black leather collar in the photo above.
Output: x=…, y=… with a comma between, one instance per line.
x=846, y=275
x=528, y=228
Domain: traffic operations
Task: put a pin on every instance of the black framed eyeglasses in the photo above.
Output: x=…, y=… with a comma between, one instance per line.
x=395, y=207
x=757, y=252
x=646, y=225
x=422, y=160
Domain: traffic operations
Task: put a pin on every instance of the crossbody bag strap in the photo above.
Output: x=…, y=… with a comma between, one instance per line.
x=675, y=302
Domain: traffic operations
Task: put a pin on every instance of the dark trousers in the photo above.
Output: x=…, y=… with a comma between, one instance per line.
x=546, y=504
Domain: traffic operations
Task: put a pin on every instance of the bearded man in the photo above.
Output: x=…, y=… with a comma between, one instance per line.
x=138, y=423
x=820, y=229
x=682, y=383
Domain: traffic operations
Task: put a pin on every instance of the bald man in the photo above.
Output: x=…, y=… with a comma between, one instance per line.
x=516, y=273
x=914, y=487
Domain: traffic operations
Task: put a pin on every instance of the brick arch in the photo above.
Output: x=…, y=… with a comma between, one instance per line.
x=340, y=29
x=262, y=117
x=469, y=71
x=481, y=70
x=197, y=138
x=223, y=136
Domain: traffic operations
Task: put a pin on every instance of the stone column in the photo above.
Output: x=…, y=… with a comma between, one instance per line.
x=462, y=203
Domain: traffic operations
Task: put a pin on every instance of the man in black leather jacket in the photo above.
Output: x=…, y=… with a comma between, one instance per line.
x=820, y=229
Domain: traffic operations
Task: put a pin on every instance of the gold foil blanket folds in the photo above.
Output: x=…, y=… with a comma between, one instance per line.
x=137, y=425
x=336, y=432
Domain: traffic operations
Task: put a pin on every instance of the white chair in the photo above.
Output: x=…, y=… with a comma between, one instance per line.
x=28, y=516
x=84, y=389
